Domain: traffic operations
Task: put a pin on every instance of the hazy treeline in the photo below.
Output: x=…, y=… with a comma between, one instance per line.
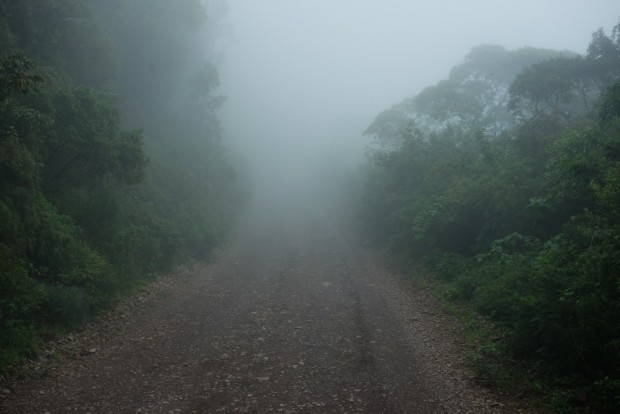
x=505, y=180
x=111, y=165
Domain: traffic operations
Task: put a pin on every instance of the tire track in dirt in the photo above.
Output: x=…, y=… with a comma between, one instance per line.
x=290, y=318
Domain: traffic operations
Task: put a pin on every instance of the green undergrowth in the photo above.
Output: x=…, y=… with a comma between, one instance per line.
x=489, y=352
x=108, y=178
x=513, y=206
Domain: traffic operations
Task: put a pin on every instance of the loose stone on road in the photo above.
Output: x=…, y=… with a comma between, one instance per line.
x=291, y=317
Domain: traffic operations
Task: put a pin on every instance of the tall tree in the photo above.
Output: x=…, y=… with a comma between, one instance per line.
x=475, y=96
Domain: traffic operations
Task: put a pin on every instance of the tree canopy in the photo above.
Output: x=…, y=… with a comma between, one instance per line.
x=504, y=181
x=94, y=199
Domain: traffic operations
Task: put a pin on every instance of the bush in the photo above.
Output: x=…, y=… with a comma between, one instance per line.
x=66, y=306
x=20, y=304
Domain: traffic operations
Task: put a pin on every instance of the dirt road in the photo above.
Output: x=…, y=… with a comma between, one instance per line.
x=289, y=318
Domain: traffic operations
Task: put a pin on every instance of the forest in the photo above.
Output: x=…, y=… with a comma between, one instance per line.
x=503, y=181
x=499, y=184
x=112, y=168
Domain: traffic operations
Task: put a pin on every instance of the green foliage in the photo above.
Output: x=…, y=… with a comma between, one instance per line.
x=552, y=87
x=610, y=106
x=521, y=225
x=567, y=87
x=15, y=75
x=85, y=218
x=604, y=57
x=63, y=35
x=475, y=97
x=66, y=306
x=85, y=141
x=20, y=303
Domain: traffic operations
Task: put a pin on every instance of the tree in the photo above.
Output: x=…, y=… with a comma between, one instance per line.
x=522, y=224
x=567, y=87
x=85, y=141
x=63, y=36
x=603, y=57
x=475, y=96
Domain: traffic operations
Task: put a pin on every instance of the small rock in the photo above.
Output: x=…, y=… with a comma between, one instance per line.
x=6, y=391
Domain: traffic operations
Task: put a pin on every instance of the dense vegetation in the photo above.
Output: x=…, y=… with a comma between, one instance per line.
x=99, y=102
x=505, y=180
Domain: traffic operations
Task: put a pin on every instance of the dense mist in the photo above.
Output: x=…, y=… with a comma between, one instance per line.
x=304, y=79
x=284, y=149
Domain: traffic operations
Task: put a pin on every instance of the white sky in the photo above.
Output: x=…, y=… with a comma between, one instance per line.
x=304, y=78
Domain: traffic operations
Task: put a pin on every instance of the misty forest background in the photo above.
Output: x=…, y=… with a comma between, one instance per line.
x=111, y=163
x=503, y=181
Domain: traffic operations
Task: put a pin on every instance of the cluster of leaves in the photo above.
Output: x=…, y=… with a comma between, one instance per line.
x=519, y=217
x=90, y=209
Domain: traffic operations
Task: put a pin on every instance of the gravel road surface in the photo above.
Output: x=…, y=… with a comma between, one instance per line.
x=290, y=317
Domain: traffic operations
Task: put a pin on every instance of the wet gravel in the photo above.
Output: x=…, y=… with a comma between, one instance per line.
x=291, y=317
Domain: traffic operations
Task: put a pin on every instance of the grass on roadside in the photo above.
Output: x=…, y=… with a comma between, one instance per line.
x=486, y=352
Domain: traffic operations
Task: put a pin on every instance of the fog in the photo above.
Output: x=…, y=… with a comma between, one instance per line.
x=305, y=78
